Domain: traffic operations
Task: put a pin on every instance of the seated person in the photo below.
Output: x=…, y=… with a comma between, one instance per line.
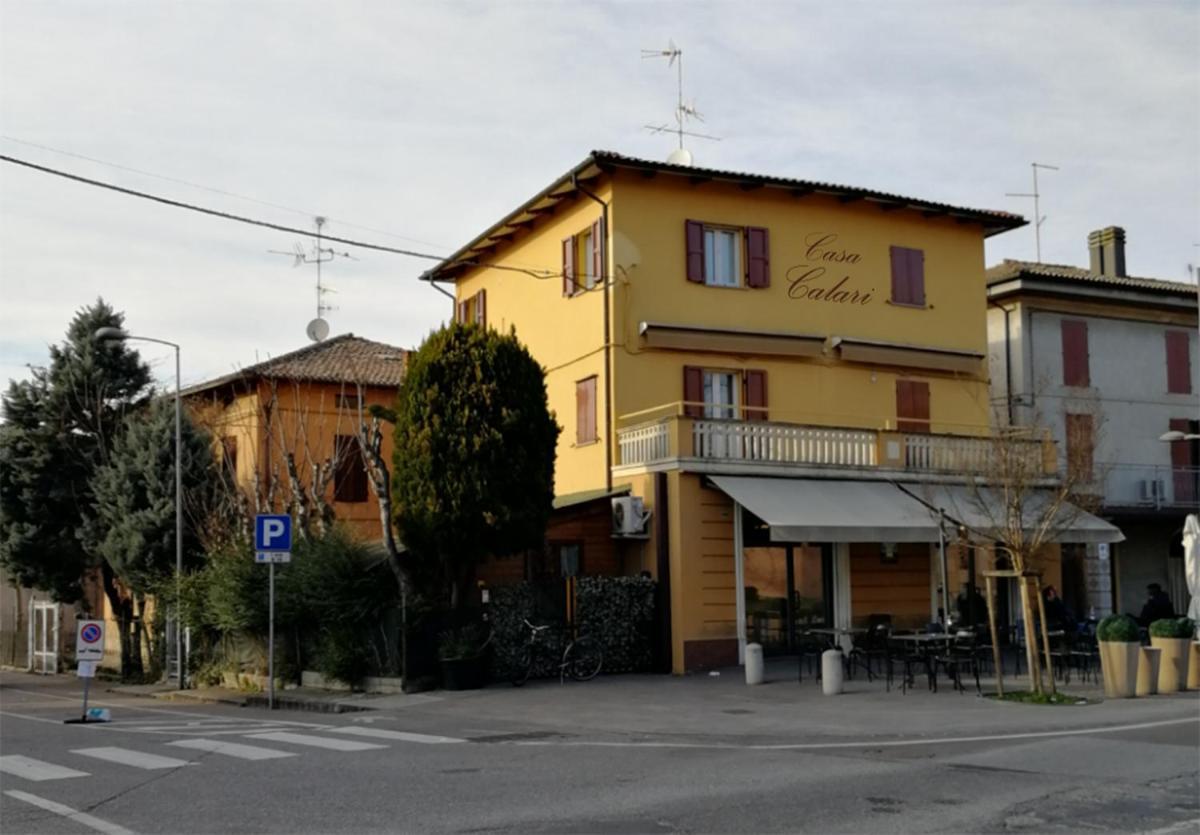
x=1157, y=607
x=1058, y=616
x=970, y=598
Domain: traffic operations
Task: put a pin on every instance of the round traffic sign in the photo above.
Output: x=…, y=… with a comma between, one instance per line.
x=90, y=633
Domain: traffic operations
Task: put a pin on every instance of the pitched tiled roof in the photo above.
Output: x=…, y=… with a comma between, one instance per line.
x=1010, y=269
x=346, y=358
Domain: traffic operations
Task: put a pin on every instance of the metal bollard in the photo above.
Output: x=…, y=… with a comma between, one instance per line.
x=754, y=664
x=831, y=672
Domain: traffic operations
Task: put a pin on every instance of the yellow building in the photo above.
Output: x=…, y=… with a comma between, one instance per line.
x=757, y=358
x=304, y=407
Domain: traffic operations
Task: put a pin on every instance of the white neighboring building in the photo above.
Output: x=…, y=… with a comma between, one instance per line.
x=1113, y=358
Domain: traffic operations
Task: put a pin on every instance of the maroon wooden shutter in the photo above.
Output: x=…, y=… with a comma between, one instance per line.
x=585, y=411
x=899, y=275
x=693, y=391
x=758, y=261
x=1183, y=462
x=1179, y=364
x=912, y=406
x=461, y=316
x=916, y=277
x=481, y=308
x=568, y=265
x=1080, y=447
x=597, y=253
x=756, y=395
x=1075, y=353
x=694, y=236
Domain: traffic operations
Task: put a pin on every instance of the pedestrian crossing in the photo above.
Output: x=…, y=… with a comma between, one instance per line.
x=256, y=745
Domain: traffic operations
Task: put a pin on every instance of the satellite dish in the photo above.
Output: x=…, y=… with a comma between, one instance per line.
x=680, y=156
x=317, y=329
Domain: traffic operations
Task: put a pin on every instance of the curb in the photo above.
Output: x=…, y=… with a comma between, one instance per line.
x=309, y=705
x=282, y=702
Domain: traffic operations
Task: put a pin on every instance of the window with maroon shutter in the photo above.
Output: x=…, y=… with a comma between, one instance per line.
x=1179, y=363
x=694, y=241
x=461, y=315
x=596, y=256
x=758, y=262
x=568, y=265
x=912, y=406
x=585, y=411
x=908, y=276
x=755, y=386
x=1080, y=447
x=480, y=317
x=1185, y=460
x=349, y=472
x=693, y=391
x=1075, y=353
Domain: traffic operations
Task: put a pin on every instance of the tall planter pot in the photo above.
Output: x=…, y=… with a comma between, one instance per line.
x=1193, y=679
x=1173, y=666
x=1119, y=662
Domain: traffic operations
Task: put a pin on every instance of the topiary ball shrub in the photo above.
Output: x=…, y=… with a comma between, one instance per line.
x=1118, y=628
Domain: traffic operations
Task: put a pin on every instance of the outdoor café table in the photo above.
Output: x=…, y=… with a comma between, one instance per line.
x=832, y=634
x=928, y=642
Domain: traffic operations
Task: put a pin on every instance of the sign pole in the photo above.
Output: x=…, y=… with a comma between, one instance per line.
x=271, y=637
x=86, y=681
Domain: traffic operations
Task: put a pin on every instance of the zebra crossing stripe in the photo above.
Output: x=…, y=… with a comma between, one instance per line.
x=316, y=741
x=231, y=749
x=36, y=770
x=125, y=756
x=399, y=736
x=82, y=818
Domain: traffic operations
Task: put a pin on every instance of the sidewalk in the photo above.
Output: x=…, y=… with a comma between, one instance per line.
x=300, y=698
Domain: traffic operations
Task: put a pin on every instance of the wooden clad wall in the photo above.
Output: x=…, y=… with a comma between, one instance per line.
x=900, y=589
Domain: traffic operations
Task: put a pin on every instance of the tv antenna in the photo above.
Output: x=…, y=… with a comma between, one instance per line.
x=683, y=110
x=318, y=328
x=1038, y=218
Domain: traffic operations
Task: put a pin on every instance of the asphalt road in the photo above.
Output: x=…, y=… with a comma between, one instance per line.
x=161, y=767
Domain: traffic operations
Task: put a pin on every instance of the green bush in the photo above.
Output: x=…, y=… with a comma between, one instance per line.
x=618, y=613
x=1118, y=628
x=1173, y=628
x=341, y=654
x=461, y=644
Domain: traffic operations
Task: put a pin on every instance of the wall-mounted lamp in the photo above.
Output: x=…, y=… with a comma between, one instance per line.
x=887, y=553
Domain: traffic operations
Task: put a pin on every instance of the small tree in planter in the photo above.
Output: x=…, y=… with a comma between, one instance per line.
x=1173, y=636
x=1120, y=643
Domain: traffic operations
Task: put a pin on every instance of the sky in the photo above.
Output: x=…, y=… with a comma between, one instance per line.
x=419, y=125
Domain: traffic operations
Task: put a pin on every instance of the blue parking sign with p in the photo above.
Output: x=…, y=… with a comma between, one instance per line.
x=272, y=537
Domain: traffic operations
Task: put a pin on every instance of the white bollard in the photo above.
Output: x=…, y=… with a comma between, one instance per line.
x=831, y=672
x=754, y=664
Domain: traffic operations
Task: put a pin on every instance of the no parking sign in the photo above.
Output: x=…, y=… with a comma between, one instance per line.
x=89, y=640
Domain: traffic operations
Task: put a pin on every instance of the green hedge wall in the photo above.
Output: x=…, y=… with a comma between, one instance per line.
x=618, y=612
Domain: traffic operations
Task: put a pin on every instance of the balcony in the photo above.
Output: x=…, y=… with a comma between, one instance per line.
x=709, y=443
x=1151, y=487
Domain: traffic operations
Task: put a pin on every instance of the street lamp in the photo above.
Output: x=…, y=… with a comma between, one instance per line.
x=118, y=335
x=1176, y=435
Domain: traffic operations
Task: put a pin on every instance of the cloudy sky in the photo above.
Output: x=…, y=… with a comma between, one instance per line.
x=418, y=125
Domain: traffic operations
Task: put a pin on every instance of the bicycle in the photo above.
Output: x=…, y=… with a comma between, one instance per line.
x=581, y=659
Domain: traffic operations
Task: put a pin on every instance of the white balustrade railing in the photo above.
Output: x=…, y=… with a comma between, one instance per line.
x=783, y=443
x=645, y=444
x=958, y=454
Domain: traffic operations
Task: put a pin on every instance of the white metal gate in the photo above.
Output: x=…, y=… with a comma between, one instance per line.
x=43, y=637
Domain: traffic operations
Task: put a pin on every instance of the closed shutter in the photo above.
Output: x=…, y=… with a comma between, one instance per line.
x=481, y=308
x=349, y=473
x=585, y=411
x=1184, y=460
x=461, y=316
x=912, y=406
x=597, y=253
x=756, y=395
x=908, y=276
x=1080, y=447
x=693, y=391
x=694, y=238
x=568, y=266
x=1075, y=353
x=758, y=261
x=899, y=275
x=1179, y=363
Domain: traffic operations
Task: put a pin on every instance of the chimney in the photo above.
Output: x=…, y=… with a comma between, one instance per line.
x=1107, y=249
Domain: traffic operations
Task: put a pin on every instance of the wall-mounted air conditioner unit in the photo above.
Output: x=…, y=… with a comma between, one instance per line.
x=629, y=517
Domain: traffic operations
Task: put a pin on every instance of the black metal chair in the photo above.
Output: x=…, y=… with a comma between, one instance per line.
x=867, y=647
x=809, y=646
x=955, y=656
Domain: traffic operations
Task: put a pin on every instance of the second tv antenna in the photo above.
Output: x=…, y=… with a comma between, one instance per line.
x=1038, y=218
x=683, y=110
x=318, y=328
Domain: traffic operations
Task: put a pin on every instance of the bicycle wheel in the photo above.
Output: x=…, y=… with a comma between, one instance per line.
x=585, y=658
x=523, y=666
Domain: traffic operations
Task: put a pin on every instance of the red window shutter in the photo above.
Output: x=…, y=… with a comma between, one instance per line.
x=693, y=391
x=461, y=316
x=1185, y=456
x=912, y=406
x=899, y=275
x=1080, y=447
x=1179, y=363
x=694, y=236
x=481, y=308
x=916, y=277
x=1075, y=353
x=756, y=395
x=597, y=253
x=758, y=261
x=585, y=411
x=568, y=265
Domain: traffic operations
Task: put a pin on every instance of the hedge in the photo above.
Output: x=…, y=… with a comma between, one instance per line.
x=1118, y=628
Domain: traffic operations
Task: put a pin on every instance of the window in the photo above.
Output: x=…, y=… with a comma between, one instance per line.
x=349, y=472
x=351, y=402
x=720, y=394
x=721, y=250
x=473, y=310
x=229, y=453
x=585, y=411
x=912, y=406
x=908, y=276
x=582, y=260
x=1179, y=363
x=1185, y=458
x=1075, y=353
x=1080, y=447
x=721, y=256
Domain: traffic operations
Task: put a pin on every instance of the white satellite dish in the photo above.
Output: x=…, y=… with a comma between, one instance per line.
x=317, y=330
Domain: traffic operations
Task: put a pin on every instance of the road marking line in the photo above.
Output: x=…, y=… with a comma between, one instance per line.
x=232, y=749
x=317, y=741
x=36, y=770
x=67, y=812
x=125, y=756
x=402, y=736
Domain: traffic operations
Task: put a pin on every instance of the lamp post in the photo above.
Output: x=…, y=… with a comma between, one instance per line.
x=118, y=335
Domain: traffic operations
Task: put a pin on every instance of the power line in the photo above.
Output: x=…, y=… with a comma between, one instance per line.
x=534, y=273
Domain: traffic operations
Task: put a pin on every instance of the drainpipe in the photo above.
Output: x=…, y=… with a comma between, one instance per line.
x=608, y=409
x=453, y=301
